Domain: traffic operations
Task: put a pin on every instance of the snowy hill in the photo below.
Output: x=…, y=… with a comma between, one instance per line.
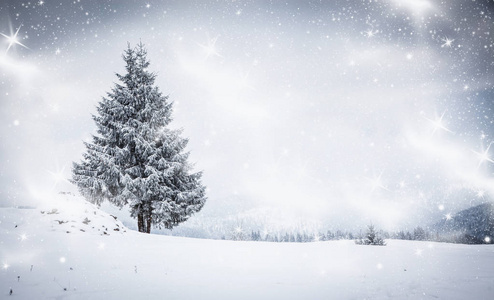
x=69, y=249
x=473, y=225
x=63, y=213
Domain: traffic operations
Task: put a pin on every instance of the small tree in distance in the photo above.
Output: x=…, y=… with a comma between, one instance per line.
x=135, y=159
x=372, y=237
x=419, y=234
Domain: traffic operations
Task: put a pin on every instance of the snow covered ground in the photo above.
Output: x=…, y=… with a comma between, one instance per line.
x=69, y=249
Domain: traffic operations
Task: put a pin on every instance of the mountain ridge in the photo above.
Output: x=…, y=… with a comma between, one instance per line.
x=474, y=225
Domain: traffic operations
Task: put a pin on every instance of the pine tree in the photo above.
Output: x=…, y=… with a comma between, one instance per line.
x=372, y=237
x=135, y=159
x=419, y=234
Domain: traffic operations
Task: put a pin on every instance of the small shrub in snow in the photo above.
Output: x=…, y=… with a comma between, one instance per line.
x=372, y=237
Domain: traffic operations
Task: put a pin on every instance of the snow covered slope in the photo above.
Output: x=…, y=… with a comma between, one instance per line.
x=71, y=250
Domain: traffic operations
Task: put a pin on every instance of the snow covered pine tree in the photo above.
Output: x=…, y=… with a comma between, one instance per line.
x=136, y=160
x=372, y=237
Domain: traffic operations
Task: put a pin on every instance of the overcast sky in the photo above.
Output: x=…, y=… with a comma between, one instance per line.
x=324, y=113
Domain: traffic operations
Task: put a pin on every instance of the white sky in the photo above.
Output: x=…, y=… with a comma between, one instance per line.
x=337, y=115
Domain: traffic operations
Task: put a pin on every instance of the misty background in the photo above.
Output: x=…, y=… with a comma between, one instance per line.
x=301, y=115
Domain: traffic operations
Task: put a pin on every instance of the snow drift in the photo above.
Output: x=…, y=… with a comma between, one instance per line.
x=69, y=249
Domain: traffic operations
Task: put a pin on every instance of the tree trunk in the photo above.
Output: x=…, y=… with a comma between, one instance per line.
x=148, y=225
x=140, y=222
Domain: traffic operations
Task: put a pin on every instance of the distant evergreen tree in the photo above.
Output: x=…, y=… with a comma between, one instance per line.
x=419, y=234
x=292, y=238
x=238, y=234
x=322, y=237
x=255, y=236
x=268, y=237
x=371, y=238
x=286, y=238
x=135, y=159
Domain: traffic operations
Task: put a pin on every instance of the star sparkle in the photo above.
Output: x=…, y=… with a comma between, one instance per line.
x=13, y=39
x=370, y=33
x=244, y=82
x=438, y=124
x=483, y=157
x=376, y=183
x=58, y=176
x=210, y=48
x=447, y=42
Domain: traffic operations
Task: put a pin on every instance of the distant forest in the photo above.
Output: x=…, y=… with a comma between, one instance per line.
x=474, y=225
x=417, y=234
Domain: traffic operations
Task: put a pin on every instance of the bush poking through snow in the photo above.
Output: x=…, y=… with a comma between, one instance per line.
x=372, y=237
